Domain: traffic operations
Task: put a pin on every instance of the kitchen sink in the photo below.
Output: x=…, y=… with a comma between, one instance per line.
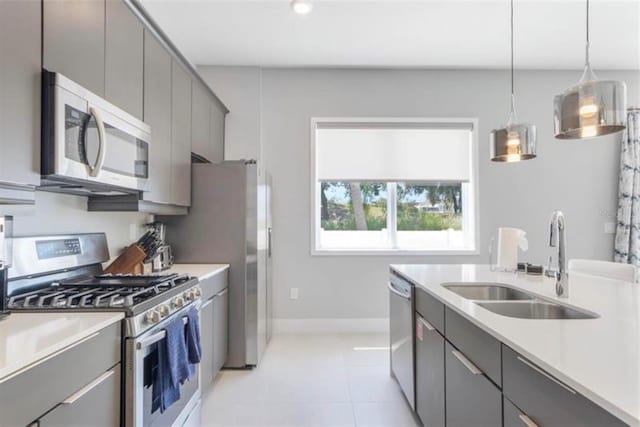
x=535, y=309
x=488, y=291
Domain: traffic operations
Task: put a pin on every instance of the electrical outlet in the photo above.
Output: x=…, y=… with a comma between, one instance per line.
x=293, y=293
x=133, y=231
x=609, y=228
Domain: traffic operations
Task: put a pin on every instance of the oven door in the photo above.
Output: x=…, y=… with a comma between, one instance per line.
x=95, y=142
x=140, y=410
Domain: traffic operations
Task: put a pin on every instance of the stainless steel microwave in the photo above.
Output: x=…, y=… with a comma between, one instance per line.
x=90, y=146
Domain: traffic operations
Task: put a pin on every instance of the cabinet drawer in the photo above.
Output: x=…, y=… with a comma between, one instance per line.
x=546, y=400
x=97, y=404
x=471, y=399
x=480, y=347
x=27, y=396
x=430, y=308
x=514, y=417
x=213, y=285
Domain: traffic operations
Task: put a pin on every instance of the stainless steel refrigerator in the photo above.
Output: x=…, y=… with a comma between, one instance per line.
x=230, y=222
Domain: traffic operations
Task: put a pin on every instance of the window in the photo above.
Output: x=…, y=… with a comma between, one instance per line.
x=393, y=186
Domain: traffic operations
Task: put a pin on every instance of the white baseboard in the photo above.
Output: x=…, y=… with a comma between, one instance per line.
x=300, y=326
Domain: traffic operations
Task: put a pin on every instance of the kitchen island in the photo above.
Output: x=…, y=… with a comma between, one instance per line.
x=598, y=358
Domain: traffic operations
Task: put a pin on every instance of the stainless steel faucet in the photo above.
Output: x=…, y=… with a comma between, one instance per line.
x=557, y=240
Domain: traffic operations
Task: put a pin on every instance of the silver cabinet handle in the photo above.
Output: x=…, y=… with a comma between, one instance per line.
x=546, y=375
x=527, y=421
x=395, y=291
x=467, y=363
x=426, y=324
x=49, y=357
x=86, y=389
x=102, y=147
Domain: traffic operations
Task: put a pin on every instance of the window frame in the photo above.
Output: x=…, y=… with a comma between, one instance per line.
x=471, y=204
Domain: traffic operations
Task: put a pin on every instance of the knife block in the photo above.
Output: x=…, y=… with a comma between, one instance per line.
x=129, y=262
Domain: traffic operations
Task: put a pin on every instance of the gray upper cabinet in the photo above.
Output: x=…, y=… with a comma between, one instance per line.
x=74, y=41
x=157, y=114
x=200, y=117
x=124, y=43
x=20, y=92
x=180, y=136
x=216, y=133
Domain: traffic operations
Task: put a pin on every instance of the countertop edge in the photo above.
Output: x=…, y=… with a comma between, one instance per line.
x=589, y=394
x=207, y=270
x=60, y=346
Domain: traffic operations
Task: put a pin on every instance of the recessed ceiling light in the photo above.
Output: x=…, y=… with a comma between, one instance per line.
x=301, y=7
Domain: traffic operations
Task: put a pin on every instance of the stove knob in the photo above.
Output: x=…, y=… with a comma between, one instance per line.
x=164, y=310
x=192, y=295
x=152, y=317
x=198, y=292
x=178, y=302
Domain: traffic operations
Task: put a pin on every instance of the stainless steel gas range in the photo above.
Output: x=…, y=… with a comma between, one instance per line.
x=60, y=273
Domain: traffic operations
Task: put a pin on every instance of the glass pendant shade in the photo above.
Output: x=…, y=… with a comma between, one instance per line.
x=513, y=143
x=590, y=108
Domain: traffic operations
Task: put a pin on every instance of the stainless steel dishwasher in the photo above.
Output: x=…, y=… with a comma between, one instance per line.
x=401, y=309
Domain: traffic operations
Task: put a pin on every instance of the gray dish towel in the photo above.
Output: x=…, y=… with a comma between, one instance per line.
x=193, y=336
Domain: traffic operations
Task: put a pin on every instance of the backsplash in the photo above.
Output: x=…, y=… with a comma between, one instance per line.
x=58, y=213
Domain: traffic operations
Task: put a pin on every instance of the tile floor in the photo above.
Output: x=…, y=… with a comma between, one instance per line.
x=312, y=380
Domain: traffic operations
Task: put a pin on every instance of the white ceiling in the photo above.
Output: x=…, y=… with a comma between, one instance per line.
x=402, y=33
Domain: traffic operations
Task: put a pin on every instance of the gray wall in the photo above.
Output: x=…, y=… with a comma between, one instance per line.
x=579, y=177
x=58, y=213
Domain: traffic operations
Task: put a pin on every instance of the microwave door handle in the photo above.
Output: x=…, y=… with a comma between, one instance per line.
x=102, y=143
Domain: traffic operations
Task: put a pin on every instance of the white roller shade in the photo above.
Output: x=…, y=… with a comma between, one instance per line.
x=398, y=152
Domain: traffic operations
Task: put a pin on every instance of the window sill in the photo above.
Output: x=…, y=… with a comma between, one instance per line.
x=394, y=252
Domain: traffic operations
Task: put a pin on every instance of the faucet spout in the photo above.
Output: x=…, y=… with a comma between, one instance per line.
x=557, y=239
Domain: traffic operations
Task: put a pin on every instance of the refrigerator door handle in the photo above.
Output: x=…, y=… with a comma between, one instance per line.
x=269, y=242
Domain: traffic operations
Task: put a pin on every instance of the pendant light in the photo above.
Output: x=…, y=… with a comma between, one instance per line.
x=592, y=107
x=516, y=141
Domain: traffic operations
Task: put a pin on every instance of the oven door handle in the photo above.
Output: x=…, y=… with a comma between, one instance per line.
x=158, y=336
x=95, y=169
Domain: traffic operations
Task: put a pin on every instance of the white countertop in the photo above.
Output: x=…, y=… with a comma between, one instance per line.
x=201, y=271
x=28, y=338
x=600, y=357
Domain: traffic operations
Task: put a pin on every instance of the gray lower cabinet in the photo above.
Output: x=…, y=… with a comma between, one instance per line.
x=213, y=335
x=180, y=136
x=74, y=41
x=68, y=383
x=514, y=417
x=546, y=400
x=96, y=404
x=157, y=114
x=124, y=58
x=471, y=398
x=220, y=330
x=430, y=375
x=20, y=93
x=206, y=343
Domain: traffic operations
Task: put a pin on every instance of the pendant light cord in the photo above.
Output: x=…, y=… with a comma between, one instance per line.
x=513, y=101
x=586, y=54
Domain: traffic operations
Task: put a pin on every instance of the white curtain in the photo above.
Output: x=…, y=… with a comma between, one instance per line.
x=627, y=247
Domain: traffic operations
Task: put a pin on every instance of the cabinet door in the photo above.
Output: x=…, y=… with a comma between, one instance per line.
x=73, y=41
x=97, y=404
x=20, y=92
x=545, y=399
x=206, y=343
x=157, y=114
x=216, y=134
x=200, y=116
x=124, y=58
x=221, y=331
x=429, y=374
x=180, y=136
x=472, y=400
x=514, y=417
